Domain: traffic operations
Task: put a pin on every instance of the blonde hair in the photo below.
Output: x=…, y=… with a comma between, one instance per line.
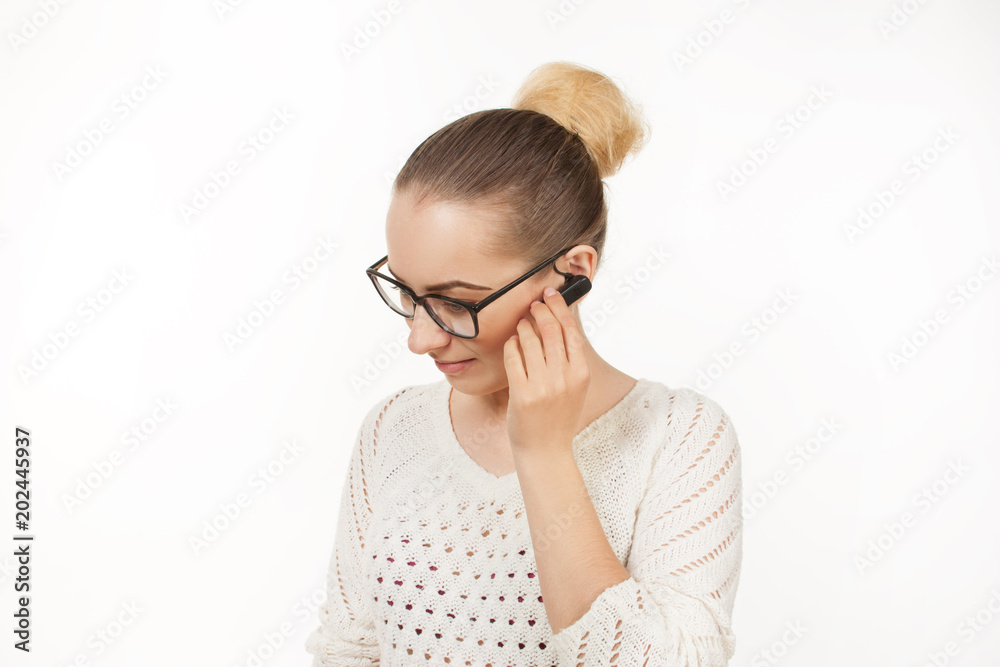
x=539, y=166
x=591, y=106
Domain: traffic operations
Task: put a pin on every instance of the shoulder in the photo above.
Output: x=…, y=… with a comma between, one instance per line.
x=383, y=434
x=397, y=411
x=389, y=406
x=689, y=421
x=696, y=454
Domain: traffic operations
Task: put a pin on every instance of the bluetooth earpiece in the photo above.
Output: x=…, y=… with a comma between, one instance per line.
x=575, y=288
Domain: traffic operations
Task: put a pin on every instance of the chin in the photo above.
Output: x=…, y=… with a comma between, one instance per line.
x=479, y=385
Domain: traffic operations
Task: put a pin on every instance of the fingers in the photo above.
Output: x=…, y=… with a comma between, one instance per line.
x=574, y=347
x=531, y=347
x=550, y=329
x=513, y=363
x=574, y=341
x=556, y=344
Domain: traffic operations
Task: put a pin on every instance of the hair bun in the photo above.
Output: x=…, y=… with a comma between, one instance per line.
x=590, y=105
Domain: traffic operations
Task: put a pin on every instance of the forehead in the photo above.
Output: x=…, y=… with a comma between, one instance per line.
x=439, y=242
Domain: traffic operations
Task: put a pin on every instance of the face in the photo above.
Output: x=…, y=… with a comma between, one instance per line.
x=438, y=243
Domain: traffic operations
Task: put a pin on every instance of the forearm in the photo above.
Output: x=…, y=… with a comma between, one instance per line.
x=575, y=561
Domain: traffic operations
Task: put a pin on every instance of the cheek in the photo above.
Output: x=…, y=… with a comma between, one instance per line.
x=495, y=328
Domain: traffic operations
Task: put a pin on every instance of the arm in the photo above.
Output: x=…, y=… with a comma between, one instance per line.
x=346, y=634
x=675, y=607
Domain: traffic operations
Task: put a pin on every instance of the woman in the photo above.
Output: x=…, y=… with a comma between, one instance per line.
x=536, y=506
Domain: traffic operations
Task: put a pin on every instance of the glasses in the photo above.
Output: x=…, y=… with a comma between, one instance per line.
x=457, y=317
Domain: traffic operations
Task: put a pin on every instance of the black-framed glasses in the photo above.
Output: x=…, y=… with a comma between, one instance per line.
x=457, y=317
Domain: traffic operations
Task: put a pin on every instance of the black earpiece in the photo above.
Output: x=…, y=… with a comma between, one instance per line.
x=576, y=287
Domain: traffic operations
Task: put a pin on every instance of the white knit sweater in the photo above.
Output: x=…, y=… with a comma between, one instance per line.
x=433, y=562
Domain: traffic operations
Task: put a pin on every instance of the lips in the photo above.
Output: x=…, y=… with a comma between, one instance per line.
x=453, y=366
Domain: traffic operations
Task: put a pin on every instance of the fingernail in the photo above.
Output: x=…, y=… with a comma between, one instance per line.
x=533, y=303
x=549, y=291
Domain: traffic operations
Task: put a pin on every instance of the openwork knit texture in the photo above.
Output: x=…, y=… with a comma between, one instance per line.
x=433, y=562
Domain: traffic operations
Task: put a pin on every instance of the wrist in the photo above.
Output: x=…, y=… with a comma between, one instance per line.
x=547, y=459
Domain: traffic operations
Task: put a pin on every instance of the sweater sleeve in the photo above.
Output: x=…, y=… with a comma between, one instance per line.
x=675, y=609
x=346, y=634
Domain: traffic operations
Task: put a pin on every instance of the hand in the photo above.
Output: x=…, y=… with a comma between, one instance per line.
x=547, y=389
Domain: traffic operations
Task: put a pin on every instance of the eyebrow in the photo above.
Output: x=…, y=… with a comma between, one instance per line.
x=442, y=287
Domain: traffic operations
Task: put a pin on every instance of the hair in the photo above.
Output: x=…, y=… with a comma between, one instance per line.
x=538, y=166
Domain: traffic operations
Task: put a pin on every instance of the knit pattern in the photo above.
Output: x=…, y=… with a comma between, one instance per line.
x=433, y=562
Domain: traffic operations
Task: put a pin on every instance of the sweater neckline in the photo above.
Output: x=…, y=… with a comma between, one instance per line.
x=481, y=477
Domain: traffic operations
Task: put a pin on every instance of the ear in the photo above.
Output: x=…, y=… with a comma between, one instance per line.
x=581, y=260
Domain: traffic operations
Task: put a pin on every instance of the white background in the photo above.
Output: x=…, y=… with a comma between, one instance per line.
x=300, y=375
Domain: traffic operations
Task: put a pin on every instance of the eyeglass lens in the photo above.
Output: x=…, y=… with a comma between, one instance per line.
x=454, y=318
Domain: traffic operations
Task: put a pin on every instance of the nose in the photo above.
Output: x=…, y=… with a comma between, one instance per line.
x=425, y=334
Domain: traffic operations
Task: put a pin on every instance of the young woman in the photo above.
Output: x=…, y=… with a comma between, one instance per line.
x=536, y=506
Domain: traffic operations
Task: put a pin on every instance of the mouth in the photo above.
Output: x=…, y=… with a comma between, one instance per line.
x=454, y=366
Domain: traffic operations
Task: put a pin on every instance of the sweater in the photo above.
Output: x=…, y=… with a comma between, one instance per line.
x=433, y=562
